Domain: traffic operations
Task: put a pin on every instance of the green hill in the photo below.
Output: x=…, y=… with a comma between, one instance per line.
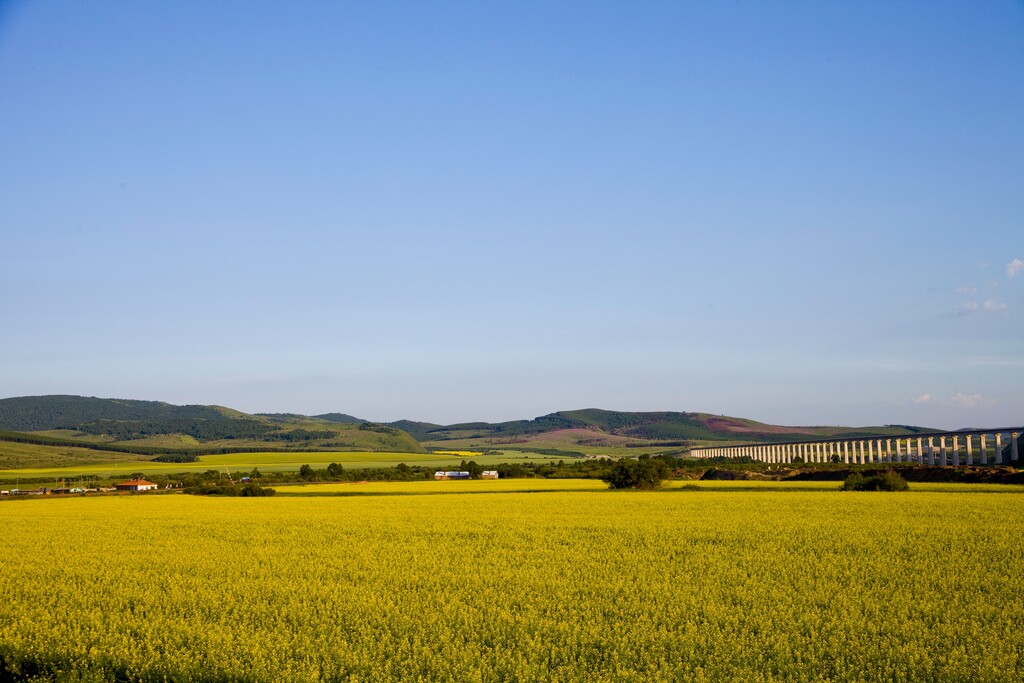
x=339, y=417
x=648, y=425
x=419, y=430
x=14, y=455
x=631, y=429
x=36, y=413
x=151, y=427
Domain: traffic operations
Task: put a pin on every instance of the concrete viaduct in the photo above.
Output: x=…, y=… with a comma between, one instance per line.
x=968, y=447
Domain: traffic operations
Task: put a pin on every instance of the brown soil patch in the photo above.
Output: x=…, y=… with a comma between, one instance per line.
x=586, y=437
x=725, y=424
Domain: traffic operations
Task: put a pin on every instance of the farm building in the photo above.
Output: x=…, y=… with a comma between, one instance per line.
x=136, y=485
x=441, y=474
x=489, y=474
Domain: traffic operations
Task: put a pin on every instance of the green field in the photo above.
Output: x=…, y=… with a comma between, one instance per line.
x=169, y=441
x=682, y=486
x=587, y=445
x=32, y=456
x=725, y=581
x=398, y=488
x=243, y=463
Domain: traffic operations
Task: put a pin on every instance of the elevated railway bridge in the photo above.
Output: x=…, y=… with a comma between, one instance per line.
x=965, y=447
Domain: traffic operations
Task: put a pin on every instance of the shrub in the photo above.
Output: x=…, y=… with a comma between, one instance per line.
x=643, y=473
x=887, y=481
x=177, y=457
x=209, y=489
x=250, y=490
x=255, y=491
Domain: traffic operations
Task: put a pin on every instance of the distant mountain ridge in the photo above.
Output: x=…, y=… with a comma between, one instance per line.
x=148, y=426
x=652, y=426
x=340, y=418
x=35, y=413
x=127, y=419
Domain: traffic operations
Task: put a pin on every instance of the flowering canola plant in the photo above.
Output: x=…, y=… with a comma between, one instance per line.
x=570, y=585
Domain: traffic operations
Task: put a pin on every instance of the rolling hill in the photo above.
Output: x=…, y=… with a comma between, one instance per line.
x=152, y=427
x=636, y=426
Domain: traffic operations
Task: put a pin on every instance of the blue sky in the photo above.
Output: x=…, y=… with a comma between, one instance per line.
x=797, y=212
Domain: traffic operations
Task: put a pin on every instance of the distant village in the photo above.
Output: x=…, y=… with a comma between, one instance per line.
x=442, y=474
x=142, y=485
x=130, y=485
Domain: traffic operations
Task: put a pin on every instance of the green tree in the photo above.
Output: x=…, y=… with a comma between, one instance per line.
x=887, y=481
x=335, y=471
x=255, y=491
x=643, y=473
x=306, y=472
x=472, y=467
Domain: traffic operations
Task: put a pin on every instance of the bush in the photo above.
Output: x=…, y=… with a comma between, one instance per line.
x=208, y=489
x=177, y=457
x=246, y=491
x=643, y=473
x=255, y=491
x=887, y=481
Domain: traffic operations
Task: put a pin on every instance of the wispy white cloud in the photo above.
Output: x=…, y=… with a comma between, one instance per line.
x=969, y=308
x=970, y=294
x=974, y=308
x=966, y=400
x=959, y=400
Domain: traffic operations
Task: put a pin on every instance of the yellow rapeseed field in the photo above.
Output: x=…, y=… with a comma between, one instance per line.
x=569, y=585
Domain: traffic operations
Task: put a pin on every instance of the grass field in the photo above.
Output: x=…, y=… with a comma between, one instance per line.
x=731, y=581
x=551, y=485
x=245, y=462
x=581, y=441
x=170, y=441
x=25, y=455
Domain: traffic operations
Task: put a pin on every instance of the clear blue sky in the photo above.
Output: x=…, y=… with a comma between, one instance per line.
x=797, y=212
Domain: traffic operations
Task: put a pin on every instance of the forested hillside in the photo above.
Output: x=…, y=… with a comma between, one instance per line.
x=148, y=427
x=648, y=426
x=154, y=426
x=35, y=413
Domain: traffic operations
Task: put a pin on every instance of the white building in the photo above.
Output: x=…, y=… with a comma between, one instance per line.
x=136, y=485
x=441, y=474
